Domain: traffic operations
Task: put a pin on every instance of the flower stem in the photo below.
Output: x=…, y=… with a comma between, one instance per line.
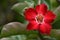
x=40, y=36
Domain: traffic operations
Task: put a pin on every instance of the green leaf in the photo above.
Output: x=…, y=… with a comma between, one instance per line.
x=55, y=33
x=12, y=29
x=15, y=37
x=15, y=28
x=20, y=18
x=56, y=23
x=19, y=10
x=30, y=3
x=20, y=37
x=49, y=38
x=36, y=2
x=54, y=4
x=48, y=3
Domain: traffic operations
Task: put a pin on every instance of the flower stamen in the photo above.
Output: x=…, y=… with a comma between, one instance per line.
x=39, y=18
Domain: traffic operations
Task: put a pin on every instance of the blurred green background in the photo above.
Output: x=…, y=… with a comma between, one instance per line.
x=12, y=22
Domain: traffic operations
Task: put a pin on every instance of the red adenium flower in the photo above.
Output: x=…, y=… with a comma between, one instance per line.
x=39, y=18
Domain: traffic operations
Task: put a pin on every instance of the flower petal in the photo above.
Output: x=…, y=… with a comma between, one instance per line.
x=32, y=25
x=49, y=17
x=41, y=9
x=30, y=13
x=45, y=28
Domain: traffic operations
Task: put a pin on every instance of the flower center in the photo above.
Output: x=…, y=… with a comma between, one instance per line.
x=39, y=18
